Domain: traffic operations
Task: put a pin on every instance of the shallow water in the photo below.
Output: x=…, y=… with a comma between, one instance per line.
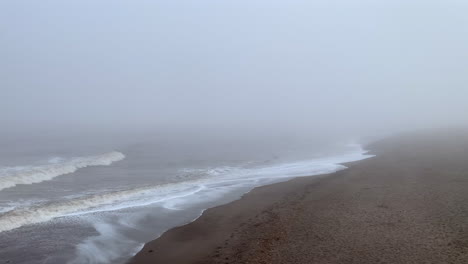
x=68, y=206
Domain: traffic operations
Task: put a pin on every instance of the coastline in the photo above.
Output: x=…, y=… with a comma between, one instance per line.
x=409, y=204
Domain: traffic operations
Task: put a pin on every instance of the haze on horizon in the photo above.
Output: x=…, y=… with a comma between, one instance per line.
x=252, y=66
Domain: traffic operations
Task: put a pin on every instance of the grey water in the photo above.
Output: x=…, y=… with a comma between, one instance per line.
x=98, y=200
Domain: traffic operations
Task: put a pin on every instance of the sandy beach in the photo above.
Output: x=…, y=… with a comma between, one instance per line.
x=409, y=204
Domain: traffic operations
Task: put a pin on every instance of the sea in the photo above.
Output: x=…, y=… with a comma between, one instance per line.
x=86, y=199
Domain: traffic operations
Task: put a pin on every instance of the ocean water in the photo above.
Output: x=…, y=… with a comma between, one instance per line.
x=86, y=202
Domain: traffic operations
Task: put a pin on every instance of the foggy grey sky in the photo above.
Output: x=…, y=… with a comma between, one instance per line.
x=246, y=64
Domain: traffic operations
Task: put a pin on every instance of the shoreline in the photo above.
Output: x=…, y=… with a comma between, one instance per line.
x=342, y=217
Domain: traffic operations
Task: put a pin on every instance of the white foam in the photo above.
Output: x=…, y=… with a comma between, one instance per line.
x=174, y=196
x=216, y=185
x=118, y=244
x=4, y=209
x=12, y=176
x=110, y=201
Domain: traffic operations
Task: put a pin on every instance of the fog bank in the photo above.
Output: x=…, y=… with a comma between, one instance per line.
x=246, y=68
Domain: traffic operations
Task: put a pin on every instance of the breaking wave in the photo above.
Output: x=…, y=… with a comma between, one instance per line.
x=12, y=176
x=93, y=203
x=210, y=183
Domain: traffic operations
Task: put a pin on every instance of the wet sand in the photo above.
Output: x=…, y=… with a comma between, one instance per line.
x=409, y=204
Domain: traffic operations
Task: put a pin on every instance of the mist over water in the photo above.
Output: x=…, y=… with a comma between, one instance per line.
x=248, y=68
x=120, y=119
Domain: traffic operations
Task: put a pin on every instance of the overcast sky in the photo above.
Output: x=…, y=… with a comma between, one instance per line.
x=250, y=64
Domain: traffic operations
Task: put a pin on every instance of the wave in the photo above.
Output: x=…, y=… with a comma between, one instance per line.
x=213, y=184
x=12, y=176
x=110, y=201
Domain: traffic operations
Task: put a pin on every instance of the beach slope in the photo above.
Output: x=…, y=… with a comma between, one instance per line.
x=409, y=204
